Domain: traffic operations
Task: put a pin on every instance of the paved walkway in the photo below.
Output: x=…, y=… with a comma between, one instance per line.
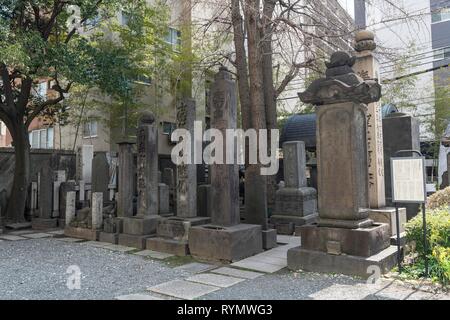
x=30, y=261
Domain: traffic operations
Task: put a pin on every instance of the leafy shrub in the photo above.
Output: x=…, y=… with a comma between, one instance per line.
x=439, y=199
x=438, y=243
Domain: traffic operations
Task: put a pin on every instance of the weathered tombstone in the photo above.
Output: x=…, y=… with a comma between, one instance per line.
x=137, y=229
x=168, y=177
x=173, y=232
x=34, y=198
x=367, y=67
x=225, y=239
x=81, y=190
x=70, y=207
x=296, y=204
x=85, y=154
x=60, y=177
x=345, y=240
x=126, y=178
x=401, y=132
x=164, y=206
x=64, y=189
x=100, y=175
x=97, y=210
x=45, y=220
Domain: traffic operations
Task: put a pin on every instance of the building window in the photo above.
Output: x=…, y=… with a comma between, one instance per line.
x=90, y=129
x=441, y=15
x=168, y=128
x=41, y=90
x=442, y=53
x=42, y=138
x=173, y=38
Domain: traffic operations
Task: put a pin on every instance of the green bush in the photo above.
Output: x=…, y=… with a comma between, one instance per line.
x=438, y=241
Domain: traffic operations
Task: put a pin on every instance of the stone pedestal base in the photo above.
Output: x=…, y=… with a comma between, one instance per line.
x=225, y=244
x=109, y=237
x=286, y=224
x=387, y=215
x=296, y=202
x=173, y=234
x=316, y=261
x=269, y=239
x=81, y=233
x=364, y=242
x=44, y=224
x=141, y=226
x=133, y=241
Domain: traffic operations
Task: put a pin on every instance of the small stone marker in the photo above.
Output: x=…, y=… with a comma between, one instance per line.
x=97, y=210
x=70, y=206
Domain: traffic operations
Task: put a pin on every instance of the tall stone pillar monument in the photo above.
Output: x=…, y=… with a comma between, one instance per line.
x=226, y=239
x=137, y=229
x=173, y=232
x=345, y=240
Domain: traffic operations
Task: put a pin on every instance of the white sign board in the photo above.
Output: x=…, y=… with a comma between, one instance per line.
x=408, y=180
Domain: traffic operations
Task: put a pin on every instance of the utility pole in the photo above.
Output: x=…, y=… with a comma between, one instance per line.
x=360, y=14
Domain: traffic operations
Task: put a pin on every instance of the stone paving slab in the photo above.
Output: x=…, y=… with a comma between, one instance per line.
x=70, y=240
x=216, y=280
x=257, y=266
x=154, y=254
x=138, y=296
x=56, y=232
x=288, y=239
x=195, y=267
x=282, y=262
x=11, y=237
x=21, y=232
x=37, y=235
x=243, y=274
x=183, y=289
x=97, y=244
x=118, y=248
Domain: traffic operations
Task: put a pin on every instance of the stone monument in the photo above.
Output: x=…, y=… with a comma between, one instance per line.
x=100, y=175
x=45, y=196
x=173, y=232
x=295, y=204
x=225, y=239
x=345, y=240
x=137, y=229
x=368, y=68
x=84, y=157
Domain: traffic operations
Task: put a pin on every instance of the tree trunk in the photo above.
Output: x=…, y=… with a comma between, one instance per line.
x=19, y=192
x=255, y=183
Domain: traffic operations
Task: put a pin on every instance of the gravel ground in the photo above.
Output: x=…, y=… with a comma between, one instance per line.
x=36, y=269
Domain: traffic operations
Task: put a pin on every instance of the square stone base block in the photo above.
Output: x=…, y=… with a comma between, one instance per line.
x=322, y=262
x=363, y=242
x=141, y=226
x=44, y=224
x=387, y=215
x=269, y=239
x=178, y=228
x=225, y=244
x=176, y=247
x=133, y=241
x=287, y=224
x=81, y=233
x=109, y=237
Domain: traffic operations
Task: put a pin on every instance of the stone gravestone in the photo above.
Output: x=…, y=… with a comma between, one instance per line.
x=401, y=132
x=137, y=229
x=100, y=175
x=225, y=239
x=173, y=232
x=204, y=200
x=367, y=67
x=345, y=240
x=295, y=204
x=34, y=199
x=44, y=219
x=126, y=178
x=97, y=210
x=70, y=207
x=85, y=154
x=64, y=189
x=60, y=177
x=168, y=178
